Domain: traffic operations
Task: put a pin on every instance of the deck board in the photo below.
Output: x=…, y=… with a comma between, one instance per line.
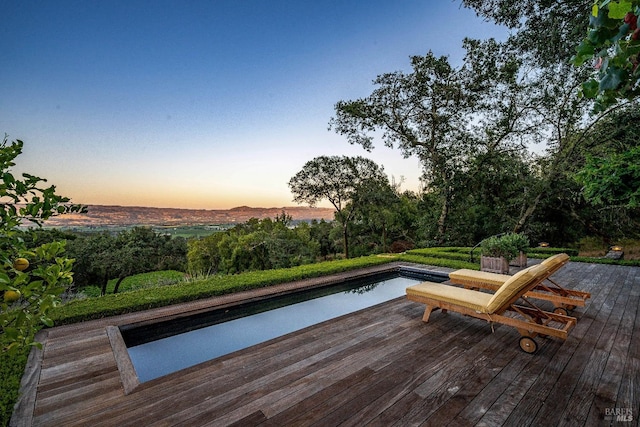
x=562, y=368
x=379, y=366
x=585, y=361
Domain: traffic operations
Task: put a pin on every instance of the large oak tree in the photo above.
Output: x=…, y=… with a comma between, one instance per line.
x=336, y=179
x=549, y=35
x=443, y=115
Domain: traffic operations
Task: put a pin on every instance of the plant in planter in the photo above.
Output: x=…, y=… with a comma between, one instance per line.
x=497, y=252
x=495, y=256
x=520, y=243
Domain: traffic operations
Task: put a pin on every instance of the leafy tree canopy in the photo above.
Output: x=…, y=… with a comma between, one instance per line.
x=257, y=245
x=613, y=45
x=446, y=116
x=336, y=179
x=613, y=180
x=546, y=29
x=31, y=279
x=608, y=168
x=102, y=256
x=333, y=178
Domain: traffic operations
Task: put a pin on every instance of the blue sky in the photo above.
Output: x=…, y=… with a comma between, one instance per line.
x=203, y=104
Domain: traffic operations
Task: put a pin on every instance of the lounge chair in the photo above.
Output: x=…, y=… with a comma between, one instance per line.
x=528, y=319
x=562, y=299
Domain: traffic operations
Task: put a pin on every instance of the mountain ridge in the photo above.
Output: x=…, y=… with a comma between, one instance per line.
x=115, y=215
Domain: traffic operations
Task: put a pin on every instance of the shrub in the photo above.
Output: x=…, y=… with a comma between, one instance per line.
x=400, y=246
x=459, y=254
x=547, y=252
x=11, y=369
x=143, y=299
x=507, y=246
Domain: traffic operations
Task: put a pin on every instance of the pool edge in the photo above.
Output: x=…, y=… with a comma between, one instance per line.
x=128, y=375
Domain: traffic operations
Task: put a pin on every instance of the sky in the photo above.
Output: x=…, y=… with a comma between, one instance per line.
x=204, y=104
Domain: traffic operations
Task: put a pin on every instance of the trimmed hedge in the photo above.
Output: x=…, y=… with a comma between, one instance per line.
x=454, y=253
x=12, y=367
x=142, y=299
x=11, y=370
x=435, y=260
x=111, y=305
x=547, y=252
x=629, y=263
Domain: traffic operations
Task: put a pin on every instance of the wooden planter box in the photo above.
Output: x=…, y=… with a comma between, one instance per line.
x=498, y=265
x=520, y=260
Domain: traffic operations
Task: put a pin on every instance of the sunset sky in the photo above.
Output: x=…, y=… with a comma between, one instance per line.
x=203, y=104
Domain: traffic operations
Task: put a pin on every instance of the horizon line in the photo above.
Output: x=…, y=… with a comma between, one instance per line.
x=202, y=209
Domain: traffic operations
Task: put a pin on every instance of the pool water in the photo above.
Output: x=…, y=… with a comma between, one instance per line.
x=251, y=325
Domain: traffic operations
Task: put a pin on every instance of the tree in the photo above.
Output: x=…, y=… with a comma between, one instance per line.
x=385, y=219
x=492, y=201
x=320, y=233
x=546, y=35
x=442, y=115
x=421, y=113
x=336, y=179
x=544, y=29
x=31, y=278
x=405, y=232
x=613, y=180
x=92, y=257
x=255, y=245
x=204, y=255
x=613, y=43
x=609, y=173
x=375, y=212
x=102, y=256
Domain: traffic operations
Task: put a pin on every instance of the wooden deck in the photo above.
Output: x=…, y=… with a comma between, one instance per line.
x=380, y=366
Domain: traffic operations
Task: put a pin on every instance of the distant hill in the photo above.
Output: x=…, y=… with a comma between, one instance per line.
x=98, y=215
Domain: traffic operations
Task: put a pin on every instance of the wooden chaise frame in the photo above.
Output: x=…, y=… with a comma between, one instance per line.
x=563, y=299
x=529, y=320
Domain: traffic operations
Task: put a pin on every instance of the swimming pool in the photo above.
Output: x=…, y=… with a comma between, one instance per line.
x=161, y=348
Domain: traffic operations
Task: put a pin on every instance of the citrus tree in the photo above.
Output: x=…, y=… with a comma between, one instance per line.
x=31, y=278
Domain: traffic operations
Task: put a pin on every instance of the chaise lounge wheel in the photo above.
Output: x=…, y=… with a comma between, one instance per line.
x=528, y=345
x=561, y=310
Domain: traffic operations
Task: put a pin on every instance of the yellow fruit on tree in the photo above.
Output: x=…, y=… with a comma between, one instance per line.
x=11, y=296
x=21, y=264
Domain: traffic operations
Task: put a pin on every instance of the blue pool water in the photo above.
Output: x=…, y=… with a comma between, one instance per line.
x=163, y=356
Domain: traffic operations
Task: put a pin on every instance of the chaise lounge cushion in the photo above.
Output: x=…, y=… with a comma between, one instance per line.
x=556, y=261
x=452, y=294
x=470, y=277
x=493, y=281
x=481, y=302
x=518, y=284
